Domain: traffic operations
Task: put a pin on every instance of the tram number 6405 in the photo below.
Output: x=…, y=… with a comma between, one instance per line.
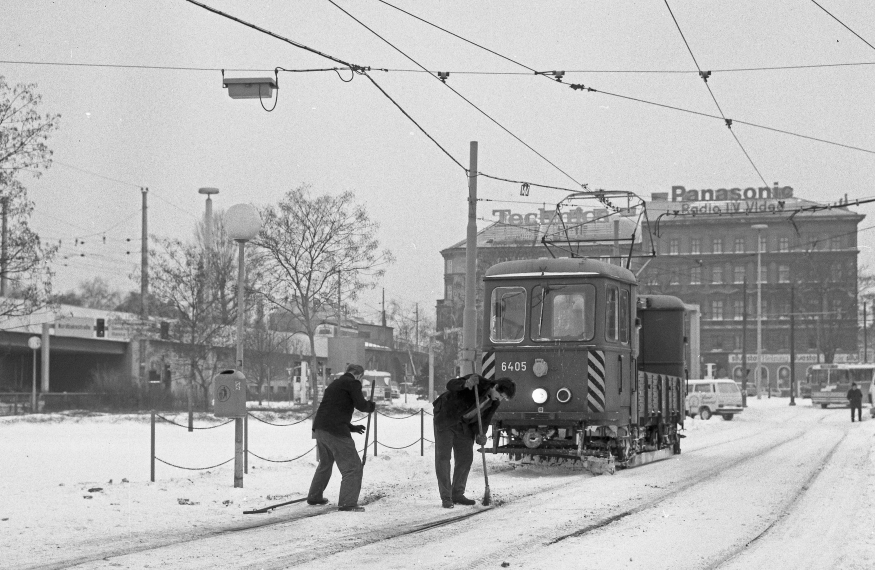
x=513, y=366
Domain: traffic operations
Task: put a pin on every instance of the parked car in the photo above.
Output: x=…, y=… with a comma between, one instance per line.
x=707, y=397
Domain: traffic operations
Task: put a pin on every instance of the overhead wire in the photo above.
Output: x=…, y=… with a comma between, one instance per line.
x=704, y=77
x=580, y=87
x=843, y=24
x=471, y=103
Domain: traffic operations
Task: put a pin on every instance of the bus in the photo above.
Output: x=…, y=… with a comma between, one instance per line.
x=830, y=382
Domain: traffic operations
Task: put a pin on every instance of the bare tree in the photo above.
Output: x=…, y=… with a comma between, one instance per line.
x=412, y=334
x=23, y=149
x=204, y=306
x=310, y=248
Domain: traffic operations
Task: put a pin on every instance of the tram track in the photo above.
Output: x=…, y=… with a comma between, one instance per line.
x=786, y=509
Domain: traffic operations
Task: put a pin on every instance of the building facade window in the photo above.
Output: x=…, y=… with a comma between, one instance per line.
x=674, y=246
x=717, y=310
x=695, y=246
x=764, y=244
x=695, y=275
x=717, y=245
x=717, y=275
x=739, y=245
x=738, y=274
x=835, y=243
x=783, y=244
x=764, y=274
x=738, y=310
x=783, y=273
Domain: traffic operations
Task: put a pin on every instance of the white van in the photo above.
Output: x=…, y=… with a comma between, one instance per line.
x=719, y=396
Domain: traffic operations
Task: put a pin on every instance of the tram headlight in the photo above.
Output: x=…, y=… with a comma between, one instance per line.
x=539, y=395
x=563, y=395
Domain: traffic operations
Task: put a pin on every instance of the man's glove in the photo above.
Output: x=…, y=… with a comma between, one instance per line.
x=480, y=439
x=357, y=429
x=472, y=381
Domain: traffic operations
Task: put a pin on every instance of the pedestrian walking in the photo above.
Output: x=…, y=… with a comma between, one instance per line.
x=456, y=430
x=855, y=397
x=332, y=430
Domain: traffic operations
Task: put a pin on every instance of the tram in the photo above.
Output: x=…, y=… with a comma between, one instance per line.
x=599, y=369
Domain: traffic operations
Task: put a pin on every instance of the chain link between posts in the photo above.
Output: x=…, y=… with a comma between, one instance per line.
x=421, y=439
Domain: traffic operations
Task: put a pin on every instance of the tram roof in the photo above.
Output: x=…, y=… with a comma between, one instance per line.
x=663, y=302
x=559, y=267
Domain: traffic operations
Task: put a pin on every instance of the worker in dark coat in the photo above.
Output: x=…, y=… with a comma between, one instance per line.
x=332, y=431
x=855, y=398
x=456, y=429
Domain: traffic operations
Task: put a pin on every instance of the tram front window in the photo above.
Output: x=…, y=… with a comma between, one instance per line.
x=563, y=312
x=508, y=314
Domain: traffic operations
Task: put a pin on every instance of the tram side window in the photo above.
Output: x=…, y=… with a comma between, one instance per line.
x=508, y=314
x=617, y=315
x=563, y=312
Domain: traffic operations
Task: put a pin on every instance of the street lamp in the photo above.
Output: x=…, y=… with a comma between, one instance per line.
x=34, y=344
x=208, y=216
x=242, y=223
x=759, y=375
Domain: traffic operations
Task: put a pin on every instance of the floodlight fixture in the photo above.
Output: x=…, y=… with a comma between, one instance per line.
x=250, y=87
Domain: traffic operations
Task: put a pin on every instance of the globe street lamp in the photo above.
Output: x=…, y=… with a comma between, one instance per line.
x=759, y=374
x=242, y=223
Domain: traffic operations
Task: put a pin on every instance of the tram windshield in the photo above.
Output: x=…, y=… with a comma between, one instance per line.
x=508, y=314
x=563, y=312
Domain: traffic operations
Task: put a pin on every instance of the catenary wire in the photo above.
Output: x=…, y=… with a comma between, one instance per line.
x=843, y=24
x=711, y=92
x=481, y=111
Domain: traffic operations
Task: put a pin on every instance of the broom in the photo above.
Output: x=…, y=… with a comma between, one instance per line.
x=368, y=428
x=487, y=496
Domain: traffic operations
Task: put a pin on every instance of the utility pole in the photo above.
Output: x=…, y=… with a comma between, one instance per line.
x=793, y=344
x=384, y=306
x=4, y=250
x=865, y=340
x=469, y=316
x=744, y=346
x=144, y=260
x=417, y=325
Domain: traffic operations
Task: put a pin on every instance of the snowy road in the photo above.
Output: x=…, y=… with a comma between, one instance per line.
x=778, y=487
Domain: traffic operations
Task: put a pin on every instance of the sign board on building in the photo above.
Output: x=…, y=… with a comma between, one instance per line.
x=82, y=327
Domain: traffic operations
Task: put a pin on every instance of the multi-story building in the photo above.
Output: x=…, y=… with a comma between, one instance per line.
x=709, y=245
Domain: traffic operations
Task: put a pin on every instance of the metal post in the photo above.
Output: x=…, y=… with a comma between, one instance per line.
x=246, y=444
x=469, y=316
x=33, y=406
x=421, y=432
x=759, y=375
x=238, y=422
x=4, y=248
x=793, y=347
x=744, y=346
x=865, y=340
x=152, y=458
x=375, y=432
x=431, y=368
x=144, y=259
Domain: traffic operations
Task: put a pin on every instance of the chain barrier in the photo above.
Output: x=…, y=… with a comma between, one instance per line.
x=193, y=468
x=305, y=418
x=282, y=460
x=186, y=427
x=420, y=440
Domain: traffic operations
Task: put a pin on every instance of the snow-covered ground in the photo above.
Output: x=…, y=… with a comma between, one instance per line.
x=777, y=487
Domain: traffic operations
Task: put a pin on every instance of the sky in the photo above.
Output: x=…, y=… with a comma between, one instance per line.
x=138, y=85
